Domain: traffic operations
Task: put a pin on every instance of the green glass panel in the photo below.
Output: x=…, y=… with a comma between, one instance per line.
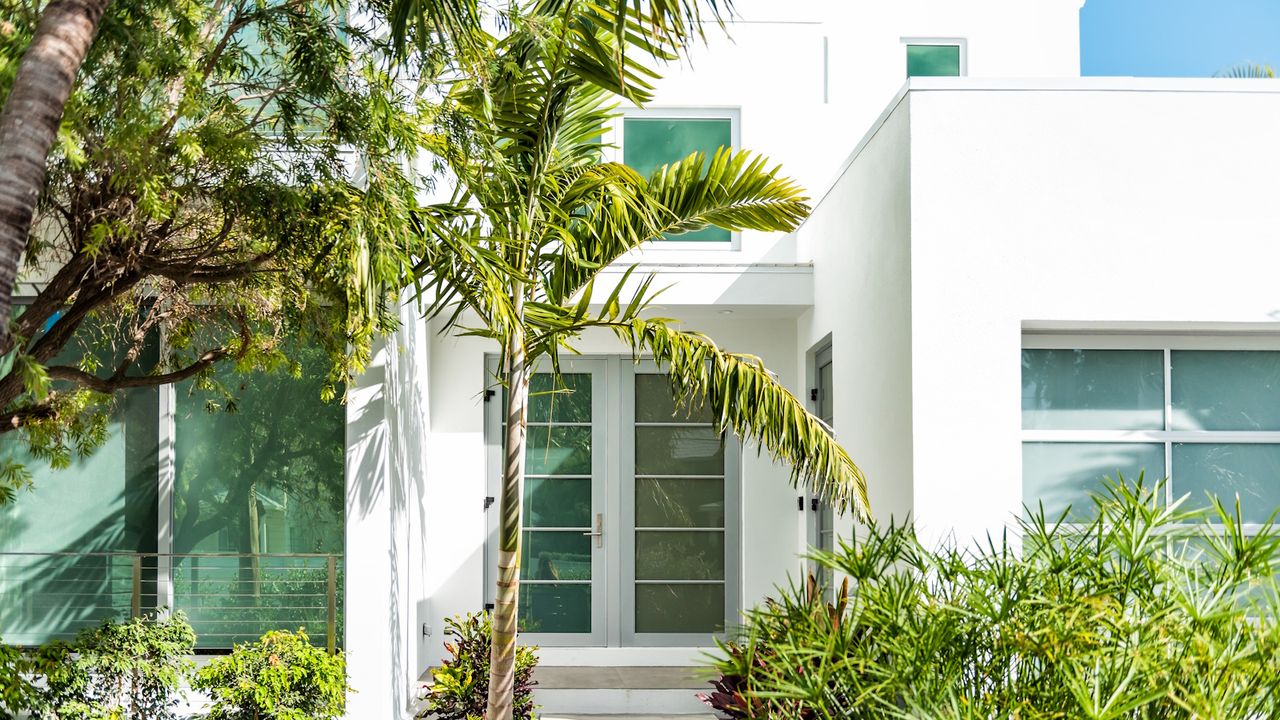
x=679, y=555
x=555, y=608
x=1093, y=389
x=1226, y=471
x=679, y=451
x=556, y=555
x=654, y=402
x=1214, y=390
x=558, y=450
x=106, y=502
x=933, y=61
x=267, y=478
x=691, y=608
x=567, y=401
x=557, y=502
x=649, y=143
x=680, y=502
x=1064, y=474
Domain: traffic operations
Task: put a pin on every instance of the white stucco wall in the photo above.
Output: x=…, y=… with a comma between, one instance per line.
x=859, y=237
x=386, y=512
x=1096, y=204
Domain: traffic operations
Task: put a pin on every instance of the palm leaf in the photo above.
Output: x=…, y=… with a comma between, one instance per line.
x=1247, y=70
x=747, y=399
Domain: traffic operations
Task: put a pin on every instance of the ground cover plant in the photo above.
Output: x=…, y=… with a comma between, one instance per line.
x=280, y=676
x=1151, y=610
x=460, y=686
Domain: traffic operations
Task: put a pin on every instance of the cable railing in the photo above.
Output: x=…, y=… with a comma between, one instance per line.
x=228, y=598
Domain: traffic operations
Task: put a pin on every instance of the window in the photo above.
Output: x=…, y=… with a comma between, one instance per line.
x=650, y=141
x=1208, y=418
x=251, y=504
x=935, y=59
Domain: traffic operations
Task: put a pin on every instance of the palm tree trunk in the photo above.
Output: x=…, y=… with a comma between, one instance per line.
x=502, y=661
x=29, y=124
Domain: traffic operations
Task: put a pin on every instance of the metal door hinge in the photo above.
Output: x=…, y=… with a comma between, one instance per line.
x=813, y=394
x=488, y=501
x=489, y=395
x=800, y=503
x=813, y=504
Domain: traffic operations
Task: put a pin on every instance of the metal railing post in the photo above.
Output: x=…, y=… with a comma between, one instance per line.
x=331, y=621
x=135, y=602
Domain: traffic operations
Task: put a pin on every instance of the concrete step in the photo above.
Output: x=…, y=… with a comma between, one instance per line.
x=636, y=692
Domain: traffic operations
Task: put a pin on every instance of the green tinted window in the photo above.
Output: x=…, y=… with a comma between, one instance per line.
x=933, y=61
x=266, y=478
x=103, y=503
x=649, y=143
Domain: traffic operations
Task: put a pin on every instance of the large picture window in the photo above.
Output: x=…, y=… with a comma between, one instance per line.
x=1206, y=417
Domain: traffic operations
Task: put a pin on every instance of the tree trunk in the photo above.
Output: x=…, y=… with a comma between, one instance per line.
x=29, y=124
x=502, y=661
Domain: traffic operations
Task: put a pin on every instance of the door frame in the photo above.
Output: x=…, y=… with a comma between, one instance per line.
x=613, y=494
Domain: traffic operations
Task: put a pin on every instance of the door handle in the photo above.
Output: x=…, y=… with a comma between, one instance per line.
x=598, y=533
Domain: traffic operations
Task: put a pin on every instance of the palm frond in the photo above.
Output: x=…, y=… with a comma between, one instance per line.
x=452, y=23
x=1247, y=70
x=747, y=399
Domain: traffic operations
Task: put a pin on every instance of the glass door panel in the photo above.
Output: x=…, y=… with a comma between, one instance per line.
x=679, y=564
x=561, y=593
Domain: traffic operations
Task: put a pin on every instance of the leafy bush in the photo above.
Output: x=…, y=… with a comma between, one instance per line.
x=1148, y=611
x=282, y=676
x=461, y=685
x=117, y=671
x=19, y=671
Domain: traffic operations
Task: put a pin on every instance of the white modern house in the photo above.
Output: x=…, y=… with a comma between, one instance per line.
x=1015, y=281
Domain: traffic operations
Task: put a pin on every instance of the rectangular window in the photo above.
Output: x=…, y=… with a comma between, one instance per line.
x=1207, y=419
x=649, y=142
x=250, y=485
x=934, y=60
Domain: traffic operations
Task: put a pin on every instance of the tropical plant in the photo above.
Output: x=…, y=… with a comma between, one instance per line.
x=460, y=686
x=537, y=213
x=1146, y=611
x=230, y=174
x=1248, y=70
x=133, y=670
x=282, y=676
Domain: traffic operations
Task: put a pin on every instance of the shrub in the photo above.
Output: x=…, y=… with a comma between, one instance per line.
x=282, y=676
x=20, y=693
x=1147, y=611
x=132, y=670
x=461, y=685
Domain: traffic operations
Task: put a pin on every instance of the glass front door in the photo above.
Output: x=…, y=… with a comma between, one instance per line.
x=630, y=520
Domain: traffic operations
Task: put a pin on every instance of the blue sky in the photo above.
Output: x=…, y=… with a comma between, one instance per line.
x=1177, y=38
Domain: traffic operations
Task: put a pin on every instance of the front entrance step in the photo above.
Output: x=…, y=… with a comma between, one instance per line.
x=605, y=691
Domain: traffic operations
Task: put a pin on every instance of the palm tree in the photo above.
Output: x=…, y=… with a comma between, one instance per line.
x=537, y=213
x=1248, y=70
x=29, y=124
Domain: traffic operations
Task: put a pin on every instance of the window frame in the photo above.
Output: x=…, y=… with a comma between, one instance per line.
x=956, y=42
x=616, y=138
x=1167, y=343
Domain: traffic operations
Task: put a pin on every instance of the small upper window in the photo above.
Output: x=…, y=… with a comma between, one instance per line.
x=937, y=60
x=650, y=142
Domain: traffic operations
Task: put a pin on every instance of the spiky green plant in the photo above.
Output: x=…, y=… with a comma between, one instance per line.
x=1149, y=611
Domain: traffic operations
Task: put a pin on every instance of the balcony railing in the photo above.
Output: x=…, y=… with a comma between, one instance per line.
x=228, y=598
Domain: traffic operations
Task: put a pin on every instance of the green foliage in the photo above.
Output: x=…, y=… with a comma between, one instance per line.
x=20, y=690
x=1147, y=612
x=282, y=676
x=120, y=671
x=460, y=686
x=230, y=174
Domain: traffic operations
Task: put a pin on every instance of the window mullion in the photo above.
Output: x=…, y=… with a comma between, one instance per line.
x=1168, y=425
